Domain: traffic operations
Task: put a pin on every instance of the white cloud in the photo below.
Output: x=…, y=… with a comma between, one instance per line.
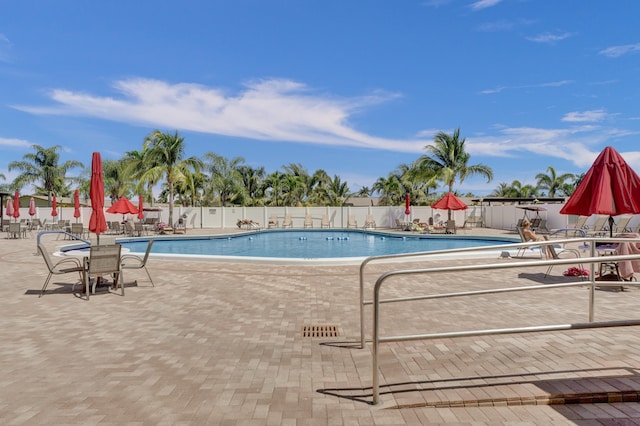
x=483, y=4
x=5, y=142
x=585, y=116
x=549, y=37
x=276, y=109
x=571, y=144
x=527, y=86
x=617, y=51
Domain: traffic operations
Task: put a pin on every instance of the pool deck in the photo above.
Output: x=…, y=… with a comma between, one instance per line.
x=222, y=344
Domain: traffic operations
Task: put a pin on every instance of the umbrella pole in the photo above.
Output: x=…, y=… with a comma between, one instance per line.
x=611, y=223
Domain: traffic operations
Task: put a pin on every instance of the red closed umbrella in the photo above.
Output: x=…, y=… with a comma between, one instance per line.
x=609, y=187
x=16, y=205
x=97, y=222
x=140, y=210
x=9, y=209
x=54, y=206
x=407, y=204
x=76, y=205
x=32, y=207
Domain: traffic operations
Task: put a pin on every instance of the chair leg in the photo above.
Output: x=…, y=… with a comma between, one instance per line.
x=44, y=287
x=149, y=275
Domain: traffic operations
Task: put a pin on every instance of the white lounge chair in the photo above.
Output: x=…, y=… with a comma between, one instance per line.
x=308, y=221
x=287, y=223
x=324, y=221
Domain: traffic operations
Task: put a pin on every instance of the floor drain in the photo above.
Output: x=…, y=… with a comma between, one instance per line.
x=319, y=331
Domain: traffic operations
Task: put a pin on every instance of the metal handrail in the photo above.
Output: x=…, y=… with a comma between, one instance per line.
x=59, y=231
x=592, y=260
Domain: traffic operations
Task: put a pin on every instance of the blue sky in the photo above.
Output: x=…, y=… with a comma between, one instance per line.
x=352, y=87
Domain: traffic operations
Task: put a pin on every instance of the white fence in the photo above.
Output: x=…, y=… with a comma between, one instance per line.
x=495, y=216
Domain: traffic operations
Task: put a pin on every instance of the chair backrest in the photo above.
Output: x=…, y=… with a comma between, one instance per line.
x=581, y=222
x=600, y=223
x=14, y=227
x=287, y=220
x=621, y=226
x=77, y=228
x=137, y=226
x=308, y=219
x=45, y=256
x=521, y=233
x=104, y=259
x=146, y=253
x=552, y=251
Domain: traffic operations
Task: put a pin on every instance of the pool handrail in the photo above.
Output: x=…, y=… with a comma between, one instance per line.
x=592, y=260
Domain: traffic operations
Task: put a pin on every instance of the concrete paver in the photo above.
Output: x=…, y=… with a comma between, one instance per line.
x=221, y=343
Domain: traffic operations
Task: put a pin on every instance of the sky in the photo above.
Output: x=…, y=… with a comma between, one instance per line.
x=354, y=87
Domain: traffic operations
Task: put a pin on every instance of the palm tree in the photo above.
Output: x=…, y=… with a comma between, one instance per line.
x=448, y=160
x=503, y=190
x=42, y=169
x=136, y=166
x=167, y=156
x=225, y=182
x=252, y=181
x=115, y=183
x=365, y=191
x=552, y=182
x=390, y=189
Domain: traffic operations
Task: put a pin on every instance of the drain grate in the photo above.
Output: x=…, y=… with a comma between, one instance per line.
x=319, y=331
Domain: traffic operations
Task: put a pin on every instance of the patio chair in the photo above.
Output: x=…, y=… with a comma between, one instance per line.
x=451, y=227
x=66, y=265
x=14, y=230
x=308, y=221
x=77, y=229
x=132, y=261
x=324, y=221
x=273, y=221
x=551, y=250
x=352, y=222
x=369, y=222
x=287, y=223
x=138, y=229
x=102, y=260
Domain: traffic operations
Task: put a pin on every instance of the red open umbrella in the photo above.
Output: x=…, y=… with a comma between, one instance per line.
x=609, y=187
x=449, y=202
x=54, y=206
x=123, y=206
x=97, y=222
x=140, y=208
x=76, y=205
x=32, y=207
x=16, y=205
x=407, y=204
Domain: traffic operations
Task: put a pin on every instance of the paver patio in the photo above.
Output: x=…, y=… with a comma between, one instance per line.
x=221, y=343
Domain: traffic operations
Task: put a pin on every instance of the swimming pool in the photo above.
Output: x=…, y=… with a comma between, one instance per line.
x=306, y=244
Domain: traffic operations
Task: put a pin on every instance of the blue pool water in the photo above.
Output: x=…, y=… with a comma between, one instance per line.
x=297, y=244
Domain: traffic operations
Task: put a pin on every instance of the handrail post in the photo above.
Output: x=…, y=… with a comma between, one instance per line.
x=376, y=323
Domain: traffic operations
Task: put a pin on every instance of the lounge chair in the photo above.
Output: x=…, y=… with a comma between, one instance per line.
x=556, y=255
x=622, y=225
x=599, y=227
x=132, y=261
x=308, y=221
x=580, y=224
x=523, y=250
x=403, y=226
x=369, y=222
x=273, y=221
x=324, y=221
x=287, y=223
x=138, y=229
x=102, y=260
x=14, y=230
x=66, y=265
x=352, y=222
